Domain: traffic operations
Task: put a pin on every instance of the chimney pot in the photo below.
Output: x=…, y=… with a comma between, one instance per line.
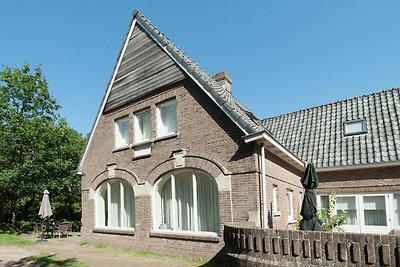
x=224, y=80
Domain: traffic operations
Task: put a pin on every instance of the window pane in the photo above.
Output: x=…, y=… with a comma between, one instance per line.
x=347, y=204
x=324, y=202
x=175, y=206
x=166, y=205
x=129, y=206
x=290, y=204
x=122, y=132
x=115, y=211
x=102, y=207
x=396, y=207
x=374, y=210
x=143, y=126
x=354, y=127
x=111, y=212
x=167, y=118
x=207, y=203
x=184, y=200
x=275, y=198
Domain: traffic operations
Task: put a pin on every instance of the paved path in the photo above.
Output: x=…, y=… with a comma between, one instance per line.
x=70, y=248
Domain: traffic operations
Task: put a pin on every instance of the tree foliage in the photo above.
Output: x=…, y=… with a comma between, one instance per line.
x=38, y=150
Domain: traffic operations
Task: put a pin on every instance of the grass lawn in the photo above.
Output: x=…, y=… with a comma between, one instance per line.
x=12, y=240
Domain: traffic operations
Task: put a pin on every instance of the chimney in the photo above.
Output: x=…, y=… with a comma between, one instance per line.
x=224, y=80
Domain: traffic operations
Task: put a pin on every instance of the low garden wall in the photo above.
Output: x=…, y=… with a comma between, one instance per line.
x=269, y=247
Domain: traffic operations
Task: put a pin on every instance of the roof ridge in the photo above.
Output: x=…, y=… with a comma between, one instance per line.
x=331, y=103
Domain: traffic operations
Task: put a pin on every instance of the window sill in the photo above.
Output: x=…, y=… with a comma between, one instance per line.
x=186, y=236
x=115, y=231
x=148, y=141
x=121, y=148
x=168, y=136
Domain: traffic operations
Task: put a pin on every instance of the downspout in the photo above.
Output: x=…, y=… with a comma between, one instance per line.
x=264, y=222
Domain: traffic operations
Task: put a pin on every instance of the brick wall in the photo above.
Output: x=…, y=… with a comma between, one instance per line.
x=285, y=178
x=214, y=145
x=268, y=247
x=383, y=179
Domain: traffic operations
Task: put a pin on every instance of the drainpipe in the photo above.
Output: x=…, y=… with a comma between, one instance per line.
x=264, y=223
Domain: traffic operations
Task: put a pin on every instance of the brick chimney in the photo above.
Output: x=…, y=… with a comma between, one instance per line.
x=224, y=80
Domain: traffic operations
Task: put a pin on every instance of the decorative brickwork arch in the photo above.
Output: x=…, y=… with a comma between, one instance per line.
x=116, y=173
x=210, y=166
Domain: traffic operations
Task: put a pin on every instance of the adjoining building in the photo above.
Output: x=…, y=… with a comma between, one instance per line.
x=173, y=157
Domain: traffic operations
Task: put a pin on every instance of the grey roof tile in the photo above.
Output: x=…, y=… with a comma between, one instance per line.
x=308, y=131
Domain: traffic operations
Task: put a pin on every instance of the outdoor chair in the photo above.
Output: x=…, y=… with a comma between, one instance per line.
x=62, y=230
x=36, y=230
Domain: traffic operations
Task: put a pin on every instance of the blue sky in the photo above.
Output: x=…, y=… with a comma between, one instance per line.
x=282, y=55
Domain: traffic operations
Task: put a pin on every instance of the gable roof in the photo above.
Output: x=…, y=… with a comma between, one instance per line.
x=117, y=93
x=239, y=113
x=316, y=134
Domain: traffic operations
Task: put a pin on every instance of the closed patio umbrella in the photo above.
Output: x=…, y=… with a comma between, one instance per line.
x=309, y=206
x=45, y=211
x=45, y=208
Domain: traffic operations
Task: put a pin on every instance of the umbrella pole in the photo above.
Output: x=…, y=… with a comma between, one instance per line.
x=42, y=230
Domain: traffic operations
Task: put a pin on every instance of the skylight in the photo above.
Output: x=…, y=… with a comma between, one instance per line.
x=354, y=127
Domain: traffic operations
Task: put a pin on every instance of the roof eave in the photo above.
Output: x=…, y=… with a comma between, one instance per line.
x=263, y=137
x=359, y=166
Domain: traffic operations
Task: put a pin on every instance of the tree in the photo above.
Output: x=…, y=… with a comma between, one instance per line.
x=39, y=150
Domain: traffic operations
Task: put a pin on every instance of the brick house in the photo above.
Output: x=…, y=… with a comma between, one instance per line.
x=355, y=146
x=172, y=156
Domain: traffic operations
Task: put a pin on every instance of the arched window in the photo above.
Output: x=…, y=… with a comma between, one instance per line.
x=187, y=201
x=115, y=205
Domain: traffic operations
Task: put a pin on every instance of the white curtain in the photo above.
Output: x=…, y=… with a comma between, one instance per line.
x=167, y=113
x=143, y=127
x=207, y=203
x=101, y=205
x=182, y=214
x=114, y=209
x=129, y=206
x=166, y=205
x=374, y=210
x=184, y=200
x=123, y=132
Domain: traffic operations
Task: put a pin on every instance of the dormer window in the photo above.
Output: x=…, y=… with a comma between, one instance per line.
x=354, y=127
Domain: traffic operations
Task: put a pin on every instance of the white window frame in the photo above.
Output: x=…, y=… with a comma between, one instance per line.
x=122, y=205
x=119, y=139
x=274, y=199
x=160, y=126
x=347, y=127
x=138, y=128
x=174, y=212
x=289, y=194
x=360, y=227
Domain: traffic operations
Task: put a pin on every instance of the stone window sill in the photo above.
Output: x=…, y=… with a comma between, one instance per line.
x=186, y=236
x=114, y=231
x=121, y=149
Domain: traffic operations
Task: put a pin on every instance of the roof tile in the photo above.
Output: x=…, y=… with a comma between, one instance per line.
x=305, y=132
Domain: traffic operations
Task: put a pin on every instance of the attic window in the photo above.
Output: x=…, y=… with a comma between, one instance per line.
x=354, y=127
